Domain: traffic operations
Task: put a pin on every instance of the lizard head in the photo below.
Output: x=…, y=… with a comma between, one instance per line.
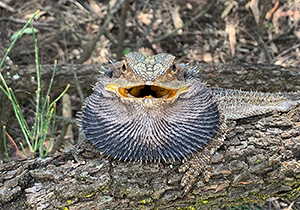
x=141, y=77
x=149, y=108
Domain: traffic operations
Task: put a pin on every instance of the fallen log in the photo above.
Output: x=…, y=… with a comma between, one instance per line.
x=260, y=158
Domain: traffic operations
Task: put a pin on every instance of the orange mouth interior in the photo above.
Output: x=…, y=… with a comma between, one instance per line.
x=147, y=91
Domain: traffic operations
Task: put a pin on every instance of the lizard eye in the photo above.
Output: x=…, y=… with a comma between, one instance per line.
x=124, y=67
x=174, y=67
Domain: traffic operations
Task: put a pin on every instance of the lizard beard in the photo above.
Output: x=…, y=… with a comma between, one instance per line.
x=167, y=130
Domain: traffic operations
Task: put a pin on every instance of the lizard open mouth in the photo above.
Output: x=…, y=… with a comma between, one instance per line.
x=146, y=91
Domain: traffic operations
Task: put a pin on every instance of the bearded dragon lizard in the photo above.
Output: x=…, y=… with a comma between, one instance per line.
x=148, y=108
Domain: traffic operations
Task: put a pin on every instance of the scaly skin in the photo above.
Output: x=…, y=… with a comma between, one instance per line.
x=148, y=108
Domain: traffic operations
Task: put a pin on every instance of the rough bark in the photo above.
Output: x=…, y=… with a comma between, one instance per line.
x=260, y=158
x=266, y=78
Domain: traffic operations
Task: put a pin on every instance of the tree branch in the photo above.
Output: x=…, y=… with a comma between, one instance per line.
x=200, y=14
x=260, y=158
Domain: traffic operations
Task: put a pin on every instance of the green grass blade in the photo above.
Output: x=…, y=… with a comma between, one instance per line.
x=60, y=95
x=39, y=116
x=23, y=150
x=20, y=118
x=44, y=110
x=50, y=85
x=8, y=90
x=38, y=67
x=52, y=132
x=6, y=93
x=19, y=114
x=44, y=132
x=37, y=121
x=12, y=44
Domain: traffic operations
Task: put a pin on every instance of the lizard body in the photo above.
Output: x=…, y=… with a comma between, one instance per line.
x=148, y=108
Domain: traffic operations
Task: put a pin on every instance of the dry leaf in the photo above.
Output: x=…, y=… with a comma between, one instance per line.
x=177, y=19
x=145, y=18
x=28, y=16
x=296, y=12
x=18, y=154
x=207, y=57
x=232, y=38
x=229, y=7
x=271, y=12
x=275, y=20
x=253, y=5
x=189, y=6
x=297, y=34
x=94, y=5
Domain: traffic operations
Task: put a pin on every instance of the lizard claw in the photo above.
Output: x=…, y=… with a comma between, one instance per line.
x=195, y=167
x=188, y=179
x=200, y=161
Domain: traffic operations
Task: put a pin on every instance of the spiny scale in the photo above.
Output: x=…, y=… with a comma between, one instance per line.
x=236, y=104
x=149, y=67
x=192, y=124
x=132, y=132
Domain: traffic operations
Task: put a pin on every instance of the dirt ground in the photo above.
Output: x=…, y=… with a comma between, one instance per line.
x=95, y=32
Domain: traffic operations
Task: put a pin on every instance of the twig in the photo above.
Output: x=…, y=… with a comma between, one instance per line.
x=263, y=47
x=90, y=46
x=260, y=26
x=59, y=15
x=122, y=29
x=136, y=18
x=67, y=112
x=286, y=51
x=186, y=24
x=148, y=28
x=78, y=87
x=67, y=120
x=44, y=26
x=60, y=139
x=6, y=6
x=110, y=37
x=291, y=206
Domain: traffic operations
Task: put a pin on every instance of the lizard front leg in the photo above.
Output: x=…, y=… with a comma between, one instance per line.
x=200, y=162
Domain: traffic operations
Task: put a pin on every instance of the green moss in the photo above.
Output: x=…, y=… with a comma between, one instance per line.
x=140, y=207
x=186, y=208
x=255, y=198
x=294, y=193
